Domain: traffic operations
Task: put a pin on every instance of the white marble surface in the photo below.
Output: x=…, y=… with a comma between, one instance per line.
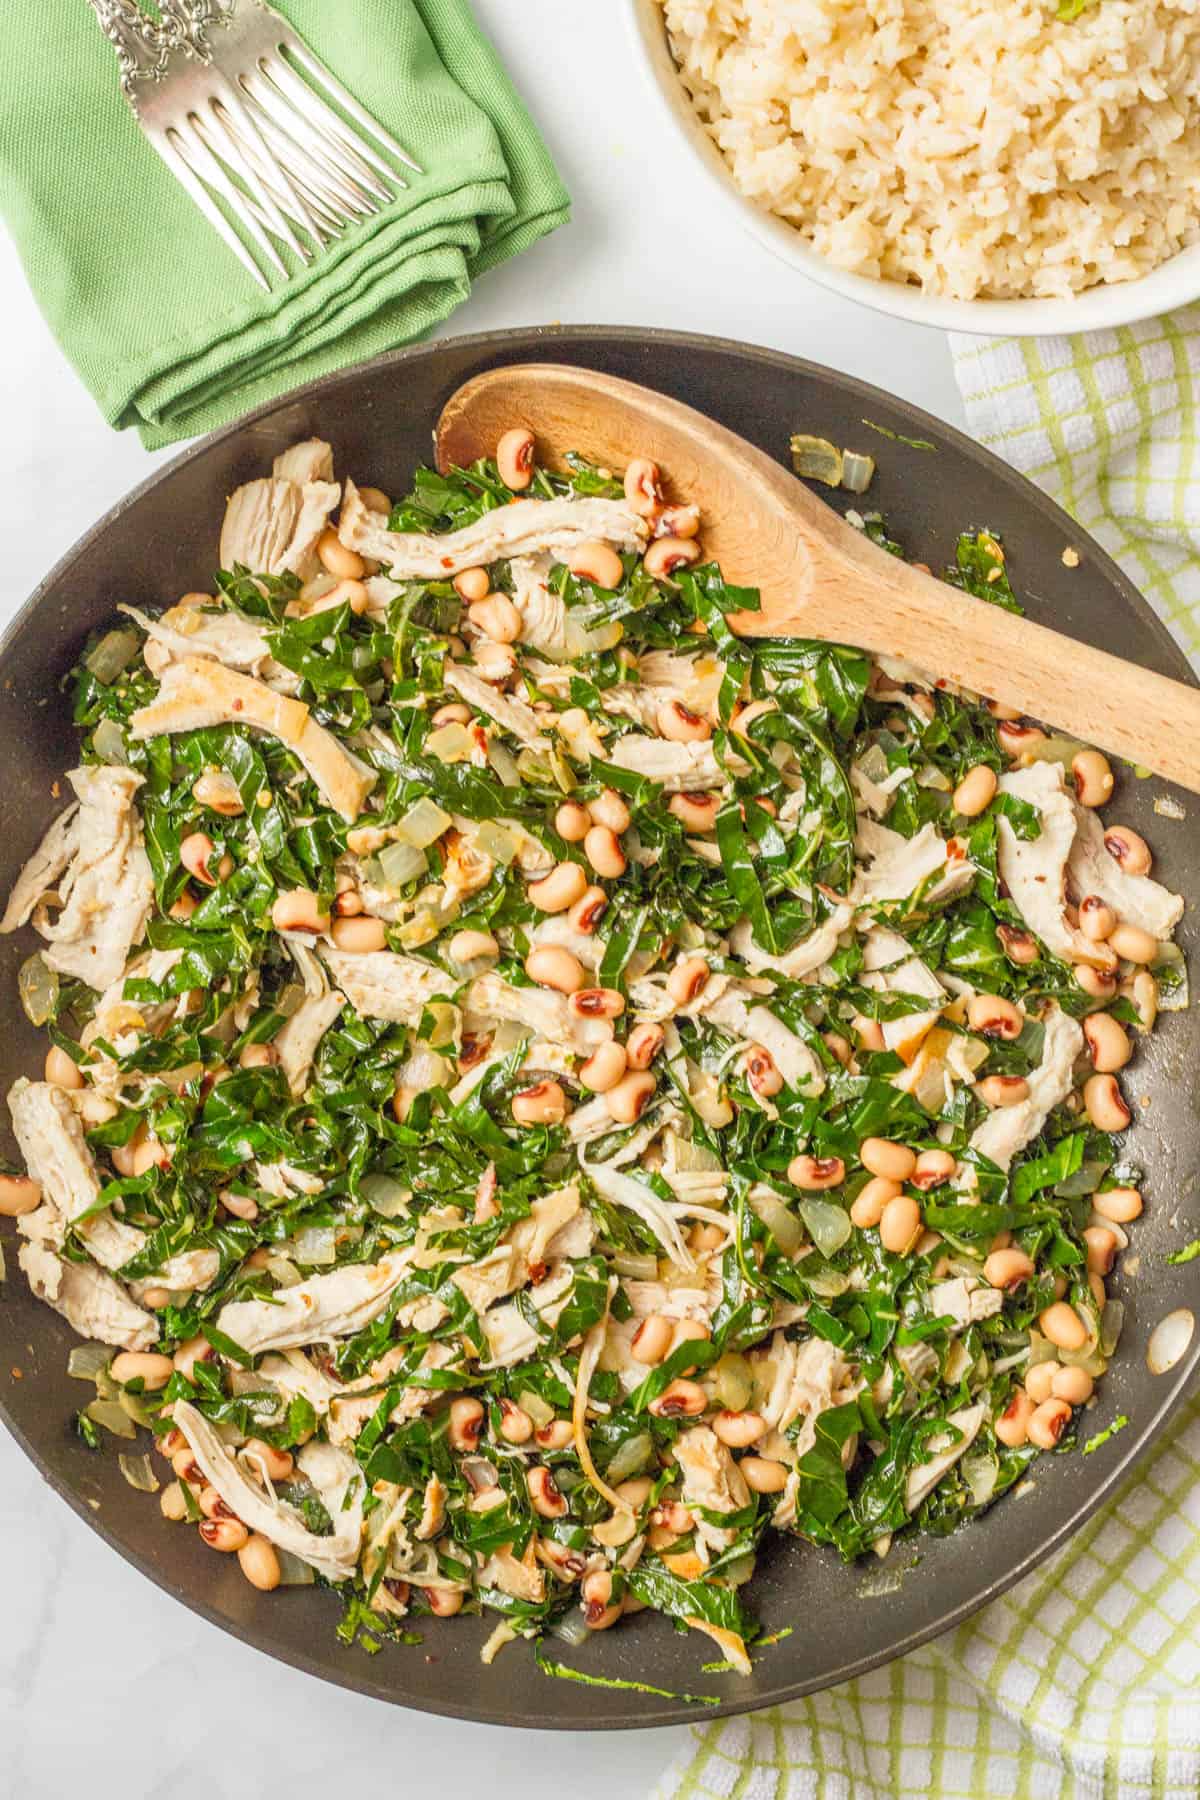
x=86, y=1645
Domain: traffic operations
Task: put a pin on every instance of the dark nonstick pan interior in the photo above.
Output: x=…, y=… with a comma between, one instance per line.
x=161, y=542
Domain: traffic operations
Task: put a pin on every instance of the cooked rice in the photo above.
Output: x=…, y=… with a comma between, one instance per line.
x=972, y=147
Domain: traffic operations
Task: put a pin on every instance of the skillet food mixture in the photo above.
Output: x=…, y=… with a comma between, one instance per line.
x=542, y=1090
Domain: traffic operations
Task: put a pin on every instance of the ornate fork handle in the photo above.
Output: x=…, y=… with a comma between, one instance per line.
x=144, y=47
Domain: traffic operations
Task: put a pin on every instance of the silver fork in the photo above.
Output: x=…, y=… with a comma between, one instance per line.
x=270, y=146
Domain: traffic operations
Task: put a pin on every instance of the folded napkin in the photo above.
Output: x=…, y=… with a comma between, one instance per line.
x=167, y=330
x=1081, y=1683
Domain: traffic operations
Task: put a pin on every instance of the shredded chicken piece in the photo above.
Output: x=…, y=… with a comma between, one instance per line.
x=92, y=1303
x=678, y=768
x=108, y=886
x=803, y=958
x=900, y=866
x=1034, y=870
x=298, y=1041
x=521, y=529
x=1136, y=899
x=199, y=692
x=511, y=715
x=332, y=1472
x=923, y=1479
x=272, y=526
x=317, y=1310
x=711, y=1481
x=1008, y=1130
x=381, y=984
x=43, y=869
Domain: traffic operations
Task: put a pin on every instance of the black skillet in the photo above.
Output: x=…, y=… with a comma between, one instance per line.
x=160, y=543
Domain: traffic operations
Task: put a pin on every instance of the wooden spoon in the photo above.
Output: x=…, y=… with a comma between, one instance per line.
x=817, y=576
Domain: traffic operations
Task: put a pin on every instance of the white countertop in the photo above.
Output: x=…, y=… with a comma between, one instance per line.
x=106, y=1685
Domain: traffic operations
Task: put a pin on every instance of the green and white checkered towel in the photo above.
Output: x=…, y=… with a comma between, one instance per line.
x=1082, y=1683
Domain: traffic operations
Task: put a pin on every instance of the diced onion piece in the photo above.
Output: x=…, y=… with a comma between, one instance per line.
x=781, y=1222
x=505, y=764
x=398, y=864
x=634, y=1265
x=283, y=1271
x=733, y=1381
x=112, y=1416
x=108, y=741
x=293, y=1570
x=496, y=841
x=858, y=471
x=112, y=655
x=816, y=459
x=688, y=1156
x=930, y=776
x=450, y=743
x=633, y=1456
x=134, y=1406
x=1169, y=1340
x=981, y=1474
x=535, y=1406
x=827, y=1284
x=1056, y=748
x=138, y=1472
x=503, y=1634
x=828, y=1225
x=572, y=1628
x=38, y=987
x=289, y=999
x=1172, y=995
x=1112, y=1323
x=423, y=824
x=385, y=1195
x=316, y=1245
x=86, y=1361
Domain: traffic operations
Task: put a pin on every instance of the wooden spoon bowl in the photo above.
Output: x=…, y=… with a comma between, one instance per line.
x=817, y=576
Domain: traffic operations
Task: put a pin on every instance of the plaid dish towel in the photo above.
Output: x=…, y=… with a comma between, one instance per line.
x=1081, y=1683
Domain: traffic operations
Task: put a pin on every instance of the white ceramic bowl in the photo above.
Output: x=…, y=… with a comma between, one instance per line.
x=1173, y=284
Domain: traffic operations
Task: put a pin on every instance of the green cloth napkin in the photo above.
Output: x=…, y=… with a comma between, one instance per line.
x=167, y=330
x=1082, y=1683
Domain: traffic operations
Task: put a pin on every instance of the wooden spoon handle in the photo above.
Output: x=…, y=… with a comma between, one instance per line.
x=1148, y=719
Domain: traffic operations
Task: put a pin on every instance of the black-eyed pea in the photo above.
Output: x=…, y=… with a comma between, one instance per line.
x=516, y=1426
x=762, y=1076
x=1105, y=1104
x=688, y=980
x=572, y=821
x=597, y=1003
x=360, y=936
x=1062, y=1325
x=900, y=1225
x=651, y=1342
x=1012, y=1427
x=193, y=1350
x=596, y=562
x=883, y=1156
x=471, y=584
x=600, y=1610
x=1039, y=1380
x=1129, y=850
x=1093, y=778
x=172, y=1504
x=299, y=909
x=465, y=1418
x=628, y=1099
x=1016, y=739
x=1002, y=1090
x=588, y=910
x=975, y=792
x=1120, y=1204
x=545, y=1495
x=562, y=887
x=1096, y=918
x=680, y=724
x=151, y=1370
x=1102, y=1246
x=738, y=1430
x=1048, y=1423
x=268, y=1459
x=696, y=812
x=609, y=809
x=1133, y=944
x=994, y=1017
x=497, y=617
x=223, y=1534
x=814, y=1174
x=1007, y=1268
x=1107, y=1041
x=1075, y=1386
x=1018, y=945
x=667, y=554
x=1098, y=984
x=603, y=1068
x=259, y=1563
x=680, y=1399
x=345, y=564
x=643, y=487
x=550, y=965
x=514, y=458
x=763, y=1475
x=867, y=1207
x=545, y=1103
x=603, y=851
x=19, y=1194
x=643, y=1045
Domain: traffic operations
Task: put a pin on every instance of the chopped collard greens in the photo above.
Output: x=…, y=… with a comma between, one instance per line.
x=541, y=1091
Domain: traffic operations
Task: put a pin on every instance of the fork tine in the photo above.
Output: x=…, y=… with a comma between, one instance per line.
x=240, y=157
x=362, y=118
x=316, y=214
x=321, y=176
x=367, y=166
x=243, y=208
x=200, y=197
x=252, y=159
